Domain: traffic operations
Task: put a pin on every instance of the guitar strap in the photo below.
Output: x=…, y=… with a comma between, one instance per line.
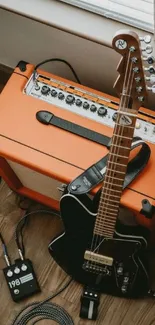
x=91, y=177
x=85, y=182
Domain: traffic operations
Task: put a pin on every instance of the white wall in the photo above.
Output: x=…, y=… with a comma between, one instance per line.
x=24, y=39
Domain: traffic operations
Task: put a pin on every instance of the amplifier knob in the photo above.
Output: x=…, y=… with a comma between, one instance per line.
x=45, y=90
x=78, y=102
x=85, y=105
x=53, y=92
x=102, y=111
x=70, y=99
x=114, y=117
x=93, y=108
x=61, y=95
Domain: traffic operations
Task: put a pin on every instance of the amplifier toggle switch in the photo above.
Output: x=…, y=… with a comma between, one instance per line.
x=138, y=125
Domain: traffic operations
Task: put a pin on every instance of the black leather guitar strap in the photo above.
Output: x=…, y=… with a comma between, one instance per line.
x=95, y=174
x=85, y=182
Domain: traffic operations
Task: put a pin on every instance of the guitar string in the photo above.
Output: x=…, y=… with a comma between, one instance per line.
x=95, y=236
x=117, y=142
x=129, y=85
x=121, y=128
x=104, y=218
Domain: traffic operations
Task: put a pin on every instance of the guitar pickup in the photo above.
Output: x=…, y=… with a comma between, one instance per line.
x=98, y=258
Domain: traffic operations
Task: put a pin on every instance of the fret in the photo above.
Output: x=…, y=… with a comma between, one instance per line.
x=103, y=227
x=108, y=194
x=113, y=184
x=107, y=213
x=115, y=190
x=116, y=145
x=115, y=154
x=107, y=235
x=120, y=136
x=102, y=220
x=113, y=170
x=114, y=177
x=111, y=200
x=112, y=205
x=110, y=162
x=126, y=126
x=102, y=232
x=115, y=210
x=126, y=113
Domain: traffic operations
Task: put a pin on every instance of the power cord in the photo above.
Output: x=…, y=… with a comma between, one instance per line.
x=56, y=60
x=44, y=310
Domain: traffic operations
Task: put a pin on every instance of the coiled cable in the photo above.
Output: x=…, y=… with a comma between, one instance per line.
x=38, y=311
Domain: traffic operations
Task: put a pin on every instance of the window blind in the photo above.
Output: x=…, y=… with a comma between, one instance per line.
x=138, y=13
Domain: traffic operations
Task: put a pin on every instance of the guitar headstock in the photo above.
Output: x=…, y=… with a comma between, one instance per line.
x=131, y=81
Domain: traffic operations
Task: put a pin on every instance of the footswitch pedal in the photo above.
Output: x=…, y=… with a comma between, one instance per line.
x=21, y=279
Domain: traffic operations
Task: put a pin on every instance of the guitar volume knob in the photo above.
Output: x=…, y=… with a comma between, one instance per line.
x=120, y=270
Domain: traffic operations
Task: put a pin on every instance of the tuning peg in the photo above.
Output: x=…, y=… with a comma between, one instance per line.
x=148, y=49
x=150, y=59
x=147, y=39
x=150, y=69
x=151, y=89
x=151, y=79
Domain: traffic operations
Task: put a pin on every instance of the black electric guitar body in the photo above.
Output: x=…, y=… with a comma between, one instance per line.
x=96, y=249
x=127, y=276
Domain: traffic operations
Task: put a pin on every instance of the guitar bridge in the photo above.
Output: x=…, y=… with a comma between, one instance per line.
x=98, y=258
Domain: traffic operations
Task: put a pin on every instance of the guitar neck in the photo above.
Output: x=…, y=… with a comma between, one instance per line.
x=115, y=172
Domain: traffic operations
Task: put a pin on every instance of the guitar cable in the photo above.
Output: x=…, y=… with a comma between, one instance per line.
x=37, y=311
x=44, y=310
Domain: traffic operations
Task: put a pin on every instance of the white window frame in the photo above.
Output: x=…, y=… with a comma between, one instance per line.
x=106, y=12
x=83, y=23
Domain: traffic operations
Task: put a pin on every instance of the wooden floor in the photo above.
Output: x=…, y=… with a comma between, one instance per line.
x=39, y=232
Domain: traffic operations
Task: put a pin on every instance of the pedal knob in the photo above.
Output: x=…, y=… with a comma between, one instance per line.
x=9, y=273
x=17, y=270
x=23, y=267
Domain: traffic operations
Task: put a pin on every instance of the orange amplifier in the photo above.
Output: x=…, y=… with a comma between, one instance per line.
x=38, y=160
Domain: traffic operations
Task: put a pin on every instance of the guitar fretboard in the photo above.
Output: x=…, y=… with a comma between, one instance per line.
x=115, y=173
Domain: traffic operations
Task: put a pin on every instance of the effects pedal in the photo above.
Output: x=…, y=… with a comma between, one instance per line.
x=21, y=279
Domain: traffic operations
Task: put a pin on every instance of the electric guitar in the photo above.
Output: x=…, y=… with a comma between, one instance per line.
x=96, y=249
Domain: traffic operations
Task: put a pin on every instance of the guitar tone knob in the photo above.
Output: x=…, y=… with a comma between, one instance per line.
x=120, y=270
x=124, y=289
x=126, y=279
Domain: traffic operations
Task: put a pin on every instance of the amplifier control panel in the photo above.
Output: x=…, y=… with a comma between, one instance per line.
x=83, y=103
